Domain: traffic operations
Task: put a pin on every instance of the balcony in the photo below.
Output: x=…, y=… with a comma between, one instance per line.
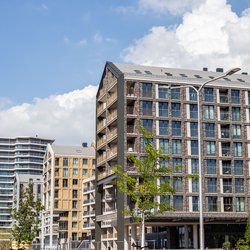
x=101, y=141
x=101, y=158
x=87, y=213
x=225, y=151
x=131, y=91
x=111, y=133
x=225, y=133
x=112, y=98
x=112, y=152
x=100, y=108
x=101, y=124
x=88, y=225
x=88, y=189
x=224, y=116
x=112, y=115
x=130, y=129
x=131, y=110
x=223, y=98
x=89, y=201
x=111, y=82
x=104, y=174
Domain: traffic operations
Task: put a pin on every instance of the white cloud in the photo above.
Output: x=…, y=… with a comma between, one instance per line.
x=68, y=118
x=175, y=7
x=82, y=42
x=5, y=103
x=212, y=35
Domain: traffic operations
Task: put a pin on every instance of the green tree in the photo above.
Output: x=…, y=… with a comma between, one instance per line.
x=244, y=244
x=143, y=188
x=26, y=216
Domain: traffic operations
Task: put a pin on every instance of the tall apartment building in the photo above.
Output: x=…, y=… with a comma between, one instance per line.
x=65, y=168
x=133, y=95
x=19, y=156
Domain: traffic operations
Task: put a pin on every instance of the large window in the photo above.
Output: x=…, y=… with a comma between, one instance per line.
x=193, y=111
x=164, y=145
x=177, y=184
x=176, y=110
x=194, y=128
x=65, y=172
x=236, y=129
x=210, y=147
x=240, y=204
x=147, y=90
x=176, y=128
x=175, y=93
x=235, y=96
x=194, y=147
x=192, y=94
x=237, y=149
x=209, y=112
x=208, y=94
x=163, y=127
x=65, y=162
x=195, y=203
x=163, y=91
x=226, y=167
x=163, y=109
x=178, y=202
x=212, y=203
x=164, y=163
x=195, y=185
x=239, y=185
x=65, y=182
x=177, y=165
x=238, y=167
x=209, y=127
x=235, y=114
x=227, y=185
x=176, y=146
x=211, y=166
x=146, y=108
x=211, y=185
x=194, y=166
x=148, y=124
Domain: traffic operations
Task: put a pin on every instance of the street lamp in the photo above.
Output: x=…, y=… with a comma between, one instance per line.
x=198, y=91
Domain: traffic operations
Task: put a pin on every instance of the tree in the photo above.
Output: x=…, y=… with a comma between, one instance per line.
x=26, y=216
x=244, y=244
x=143, y=188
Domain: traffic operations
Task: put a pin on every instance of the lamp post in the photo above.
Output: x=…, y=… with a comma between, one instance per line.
x=198, y=91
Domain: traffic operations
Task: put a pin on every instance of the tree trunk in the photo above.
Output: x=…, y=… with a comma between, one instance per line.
x=142, y=231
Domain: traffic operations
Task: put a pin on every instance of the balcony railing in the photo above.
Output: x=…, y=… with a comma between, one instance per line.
x=101, y=124
x=130, y=129
x=101, y=157
x=112, y=98
x=112, y=152
x=112, y=115
x=225, y=134
x=105, y=174
x=112, y=133
x=101, y=107
x=101, y=141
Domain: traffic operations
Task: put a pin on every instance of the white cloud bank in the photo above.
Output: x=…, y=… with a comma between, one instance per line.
x=211, y=35
x=67, y=118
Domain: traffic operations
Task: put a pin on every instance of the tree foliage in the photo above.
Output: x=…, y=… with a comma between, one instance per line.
x=244, y=244
x=26, y=216
x=144, y=187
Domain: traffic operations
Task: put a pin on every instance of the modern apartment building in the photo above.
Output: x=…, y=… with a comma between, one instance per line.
x=18, y=156
x=133, y=95
x=65, y=168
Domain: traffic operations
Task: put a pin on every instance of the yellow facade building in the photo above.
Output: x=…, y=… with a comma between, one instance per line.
x=65, y=168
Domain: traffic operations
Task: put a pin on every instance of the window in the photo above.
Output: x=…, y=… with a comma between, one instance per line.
x=74, y=236
x=240, y=204
x=195, y=203
x=212, y=203
x=238, y=167
x=175, y=93
x=209, y=94
x=84, y=161
x=235, y=114
x=210, y=147
x=235, y=96
x=239, y=185
x=163, y=127
x=177, y=184
x=65, y=182
x=228, y=204
x=225, y=131
x=224, y=113
x=163, y=109
x=178, y=202
x=248, y=97
x=93, y=161
x=176, y=110
x=74, y=224
x=65, y=172
x=177, y=165
x=164, y=145
x=56, y=183
x=75, y=170
x=65, y=162
x=74, y=213
x=144, y=141
x=209, y=127
x=56, y=204
x=192, y=94
x=75, y=161
x=146, y=108
x=195, y=166
x=75, y=181
x=209, y=112
x=223, y=95
x=146, y=89
x=93, y=171
x=227, y=185
x=194, y=128
x=163, y=91
x=165, y=199
x=225, y=148
x=85, y=171
x=74, y=193
x=211, y=185
x=164, y=163
x=237, y=149
x=211, y=166
x=226, y=167
x=147, y=124
x=176, y=146
x=74, y=204
x=176, y=128
x=193, y=111
x=195, y=185
x=236, y=129
x=194, y=147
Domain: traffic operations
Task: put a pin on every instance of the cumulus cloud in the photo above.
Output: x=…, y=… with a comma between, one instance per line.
x=175, y=7
x=211, y=35
x=68, y=118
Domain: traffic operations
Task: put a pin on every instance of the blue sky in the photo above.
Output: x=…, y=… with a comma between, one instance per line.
x=49, y=49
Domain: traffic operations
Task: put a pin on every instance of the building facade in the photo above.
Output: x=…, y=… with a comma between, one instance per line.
x=65, y=168
x=133, y=95
x=19, y=156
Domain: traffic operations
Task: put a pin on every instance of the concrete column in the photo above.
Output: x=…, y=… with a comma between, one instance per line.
x=186, y=236
x=195, y=236
x=133, y=234
x=126, y=238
